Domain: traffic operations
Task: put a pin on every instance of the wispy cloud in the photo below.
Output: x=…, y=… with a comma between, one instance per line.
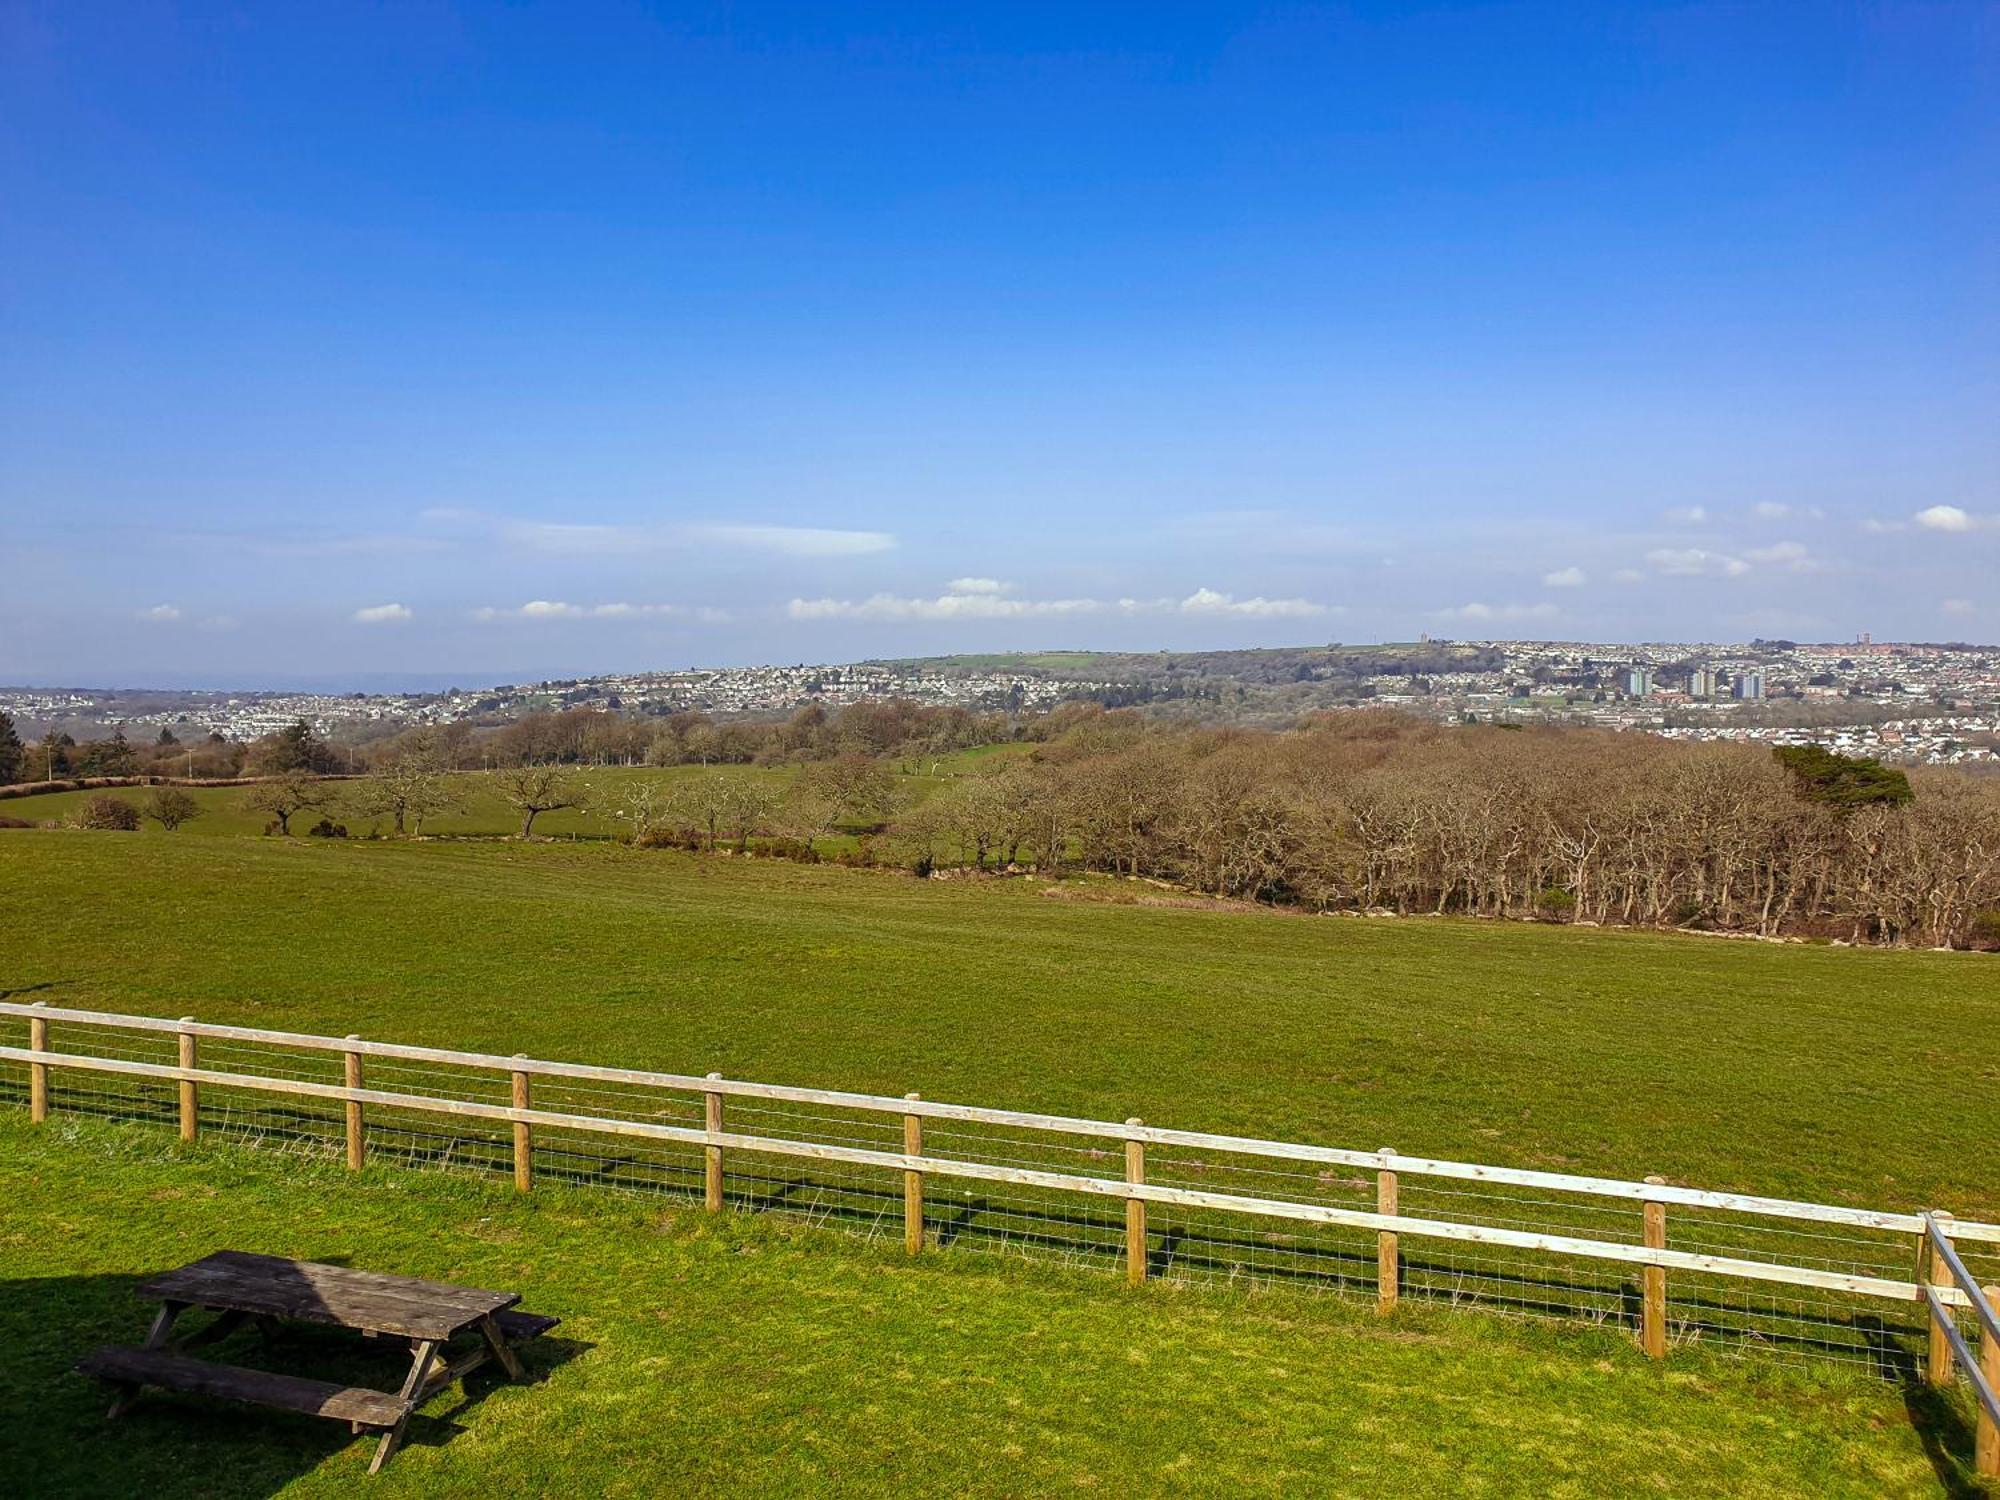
x=1695, y=562
x=1209, y=602
x=1483, y=614
x=1687, y=515
x=160, y=614
x=585, y=539
x=1958, y=608
x=383, y=614
x=1566, y=578
x=1791, y=556
x=991, y=599
x=797, y=541
x=1777, y=510
x=948, y=606
x=544, y=610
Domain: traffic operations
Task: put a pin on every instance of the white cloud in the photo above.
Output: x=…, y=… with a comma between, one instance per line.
x=382, y=614
x=798, y=541
x=1946, y=518
x=1687, y=515
x=1777, y=510
x=554, y=609
x=597, y=539
x=1477, y=613
x=1566, y=578
x=1628, y=575
x=944, y=607
x=1958, y=608
x=1791, y=555
x=980, y=602
x=1695, y=562
x=160, y=614
x=1209, y=602
x=1876, y=527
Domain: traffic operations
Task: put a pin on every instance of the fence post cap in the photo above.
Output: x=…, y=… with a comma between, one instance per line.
x=1938, y=1213
x=913, y=1096
x=38, y=1005
x=1385, y=1150
x=352, y=1036
x=1656, y=1182
x=714, y=1075
x=1135, y=1120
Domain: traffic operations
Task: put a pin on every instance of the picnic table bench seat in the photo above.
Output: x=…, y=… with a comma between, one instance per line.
x=271, y=1290
x=120, y=1364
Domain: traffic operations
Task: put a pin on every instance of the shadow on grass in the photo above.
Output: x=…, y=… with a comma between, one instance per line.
x=56, y=1440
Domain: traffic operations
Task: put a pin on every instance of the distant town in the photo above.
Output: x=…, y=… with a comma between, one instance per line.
x=1912, y=703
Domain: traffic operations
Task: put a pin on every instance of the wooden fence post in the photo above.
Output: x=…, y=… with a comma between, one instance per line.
x=190, y=1102
x=1986, y=1444
x=712, y=1182
x=1654, y=1329
x=357, y=1143
x=1388, y=1259
x=38, y=1073
x=913, y=1182
x=1931, y=1268
x=1135, y=1210
x=524, y=1139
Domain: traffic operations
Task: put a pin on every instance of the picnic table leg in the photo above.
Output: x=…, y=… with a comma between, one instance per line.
x=420, y=1369
x=502, y=1350
x=156, y=1337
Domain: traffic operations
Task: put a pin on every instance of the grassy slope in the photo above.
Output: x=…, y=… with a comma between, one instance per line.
x=481, y=812
x=748, y=1356
x=1832, y=1073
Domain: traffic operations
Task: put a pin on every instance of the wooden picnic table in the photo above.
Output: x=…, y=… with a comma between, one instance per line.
x=270, y=1291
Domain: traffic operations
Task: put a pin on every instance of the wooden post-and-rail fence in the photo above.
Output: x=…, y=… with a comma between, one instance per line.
x=1939, y=1281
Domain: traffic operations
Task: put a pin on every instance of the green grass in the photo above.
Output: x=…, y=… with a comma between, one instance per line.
x=481, y=812
x=749, y=1356
x=794, y=1359
x=1832, y=1073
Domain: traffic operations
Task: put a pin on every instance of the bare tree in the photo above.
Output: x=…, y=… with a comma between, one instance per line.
x=288, y=793
x=412, y=787
x=170, y=807
x=534, y=790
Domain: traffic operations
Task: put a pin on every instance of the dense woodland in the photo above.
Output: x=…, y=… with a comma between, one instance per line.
x=1344, y=811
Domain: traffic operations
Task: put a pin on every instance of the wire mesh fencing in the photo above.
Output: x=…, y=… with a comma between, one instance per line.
x=1540, y=1246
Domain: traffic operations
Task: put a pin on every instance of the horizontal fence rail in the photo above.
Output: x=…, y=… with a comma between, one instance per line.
x=1233, y=1204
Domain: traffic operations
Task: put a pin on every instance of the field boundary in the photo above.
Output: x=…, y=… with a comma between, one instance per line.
x=1124, y=1154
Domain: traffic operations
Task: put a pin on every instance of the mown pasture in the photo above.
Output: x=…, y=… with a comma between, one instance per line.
x=1842, y=1075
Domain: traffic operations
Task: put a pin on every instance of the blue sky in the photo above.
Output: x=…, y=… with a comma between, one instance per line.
x=509, y=341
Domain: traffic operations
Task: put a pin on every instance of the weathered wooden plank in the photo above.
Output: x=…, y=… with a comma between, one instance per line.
x=122, y=1365
x=338, y=1296
x=1907, y=1223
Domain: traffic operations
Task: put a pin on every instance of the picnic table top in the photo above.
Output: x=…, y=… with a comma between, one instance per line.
x=311, y=1292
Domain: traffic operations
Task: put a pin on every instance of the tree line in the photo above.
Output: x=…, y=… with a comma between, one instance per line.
x=1371, y=811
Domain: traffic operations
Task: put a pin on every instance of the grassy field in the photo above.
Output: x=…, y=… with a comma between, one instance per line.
x=1836, y=1074
x=748, y=1356
x=481, y=813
